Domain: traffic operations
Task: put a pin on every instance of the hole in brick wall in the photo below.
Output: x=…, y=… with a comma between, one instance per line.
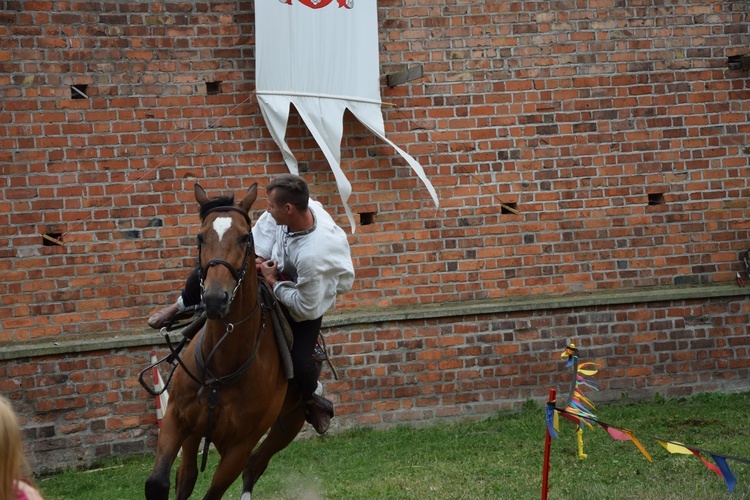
x=656, y=199
x=739, y=62
x=51, y=239
x=508, y=208
x=366, y=218
x=213, y=88
x=131, y=234
x=78, y=92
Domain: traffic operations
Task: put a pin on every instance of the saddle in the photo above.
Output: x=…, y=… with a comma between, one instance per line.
x=285, y=336
x=281, y=329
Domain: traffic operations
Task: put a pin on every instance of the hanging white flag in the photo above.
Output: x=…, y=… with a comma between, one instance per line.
x=322, y=57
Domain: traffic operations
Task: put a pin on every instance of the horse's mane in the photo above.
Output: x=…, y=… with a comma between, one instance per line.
x=226, y=200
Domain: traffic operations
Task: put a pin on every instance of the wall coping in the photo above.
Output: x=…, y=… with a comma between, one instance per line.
x=406, y=313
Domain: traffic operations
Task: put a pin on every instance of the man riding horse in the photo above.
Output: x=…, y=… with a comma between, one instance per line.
x=305, y=259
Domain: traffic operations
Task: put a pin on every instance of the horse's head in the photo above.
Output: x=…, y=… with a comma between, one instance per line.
x=225, y=248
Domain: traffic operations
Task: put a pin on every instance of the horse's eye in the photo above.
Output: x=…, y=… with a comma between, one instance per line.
x=244, y=239
x=200, y=239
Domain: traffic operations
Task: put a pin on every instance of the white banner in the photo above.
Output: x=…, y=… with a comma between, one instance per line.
x=322, y=57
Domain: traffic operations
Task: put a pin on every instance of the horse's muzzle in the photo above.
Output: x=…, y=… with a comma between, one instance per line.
x=217, y=303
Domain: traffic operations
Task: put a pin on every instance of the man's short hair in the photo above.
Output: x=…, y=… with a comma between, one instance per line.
x=290, y=188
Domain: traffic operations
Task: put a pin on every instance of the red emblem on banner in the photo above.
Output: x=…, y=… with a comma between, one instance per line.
x=318, y=4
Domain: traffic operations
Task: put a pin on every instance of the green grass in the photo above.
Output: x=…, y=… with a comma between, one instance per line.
x=497, y=458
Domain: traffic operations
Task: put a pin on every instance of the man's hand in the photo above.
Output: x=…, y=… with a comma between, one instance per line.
x=269, y=270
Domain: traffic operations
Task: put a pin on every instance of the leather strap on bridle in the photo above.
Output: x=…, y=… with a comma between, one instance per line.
x=213, y=383
x=237, y=275
x=230, y=208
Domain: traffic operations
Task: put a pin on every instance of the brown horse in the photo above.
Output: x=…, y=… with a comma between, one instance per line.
x=230, y=386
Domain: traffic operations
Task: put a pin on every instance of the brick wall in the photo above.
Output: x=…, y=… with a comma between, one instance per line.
x=615, y=129
x=80, y=407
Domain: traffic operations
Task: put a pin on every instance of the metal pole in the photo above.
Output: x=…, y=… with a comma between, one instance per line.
x=547, y=448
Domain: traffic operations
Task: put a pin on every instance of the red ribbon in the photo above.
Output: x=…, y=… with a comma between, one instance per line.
x=321, y=3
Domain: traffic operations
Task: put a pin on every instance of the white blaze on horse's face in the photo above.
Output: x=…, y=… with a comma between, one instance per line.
x=222, y=225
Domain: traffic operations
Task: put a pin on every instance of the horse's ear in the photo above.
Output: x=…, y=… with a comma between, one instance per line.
x=250, y=197
x=200, y=194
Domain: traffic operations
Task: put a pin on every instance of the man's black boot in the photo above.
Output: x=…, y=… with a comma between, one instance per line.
x=319, y=412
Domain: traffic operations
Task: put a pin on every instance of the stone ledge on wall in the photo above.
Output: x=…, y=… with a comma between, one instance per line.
x=442, y=310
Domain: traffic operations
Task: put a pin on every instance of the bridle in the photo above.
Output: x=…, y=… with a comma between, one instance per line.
x=208, y=379
x=210, y=383
x=237, y=275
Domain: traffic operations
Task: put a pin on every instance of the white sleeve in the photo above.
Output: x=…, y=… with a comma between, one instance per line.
x=321, y=275
x=306, y=298
x=302, y=298
x=264, y=235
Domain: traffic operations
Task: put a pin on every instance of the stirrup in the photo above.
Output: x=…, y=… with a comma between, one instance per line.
x=185, y=317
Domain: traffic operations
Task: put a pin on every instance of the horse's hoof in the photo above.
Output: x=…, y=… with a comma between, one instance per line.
x=156, y=489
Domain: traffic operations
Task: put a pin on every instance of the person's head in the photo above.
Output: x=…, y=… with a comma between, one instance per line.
x=13, y=463
x=287, y=196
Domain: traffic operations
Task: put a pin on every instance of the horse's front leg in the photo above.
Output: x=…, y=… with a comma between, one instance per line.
x=187, y=472
x=157, y=484
x=233, y=458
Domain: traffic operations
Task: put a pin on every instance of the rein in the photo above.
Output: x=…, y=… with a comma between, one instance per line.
x=210, y=381
x=214, y=383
